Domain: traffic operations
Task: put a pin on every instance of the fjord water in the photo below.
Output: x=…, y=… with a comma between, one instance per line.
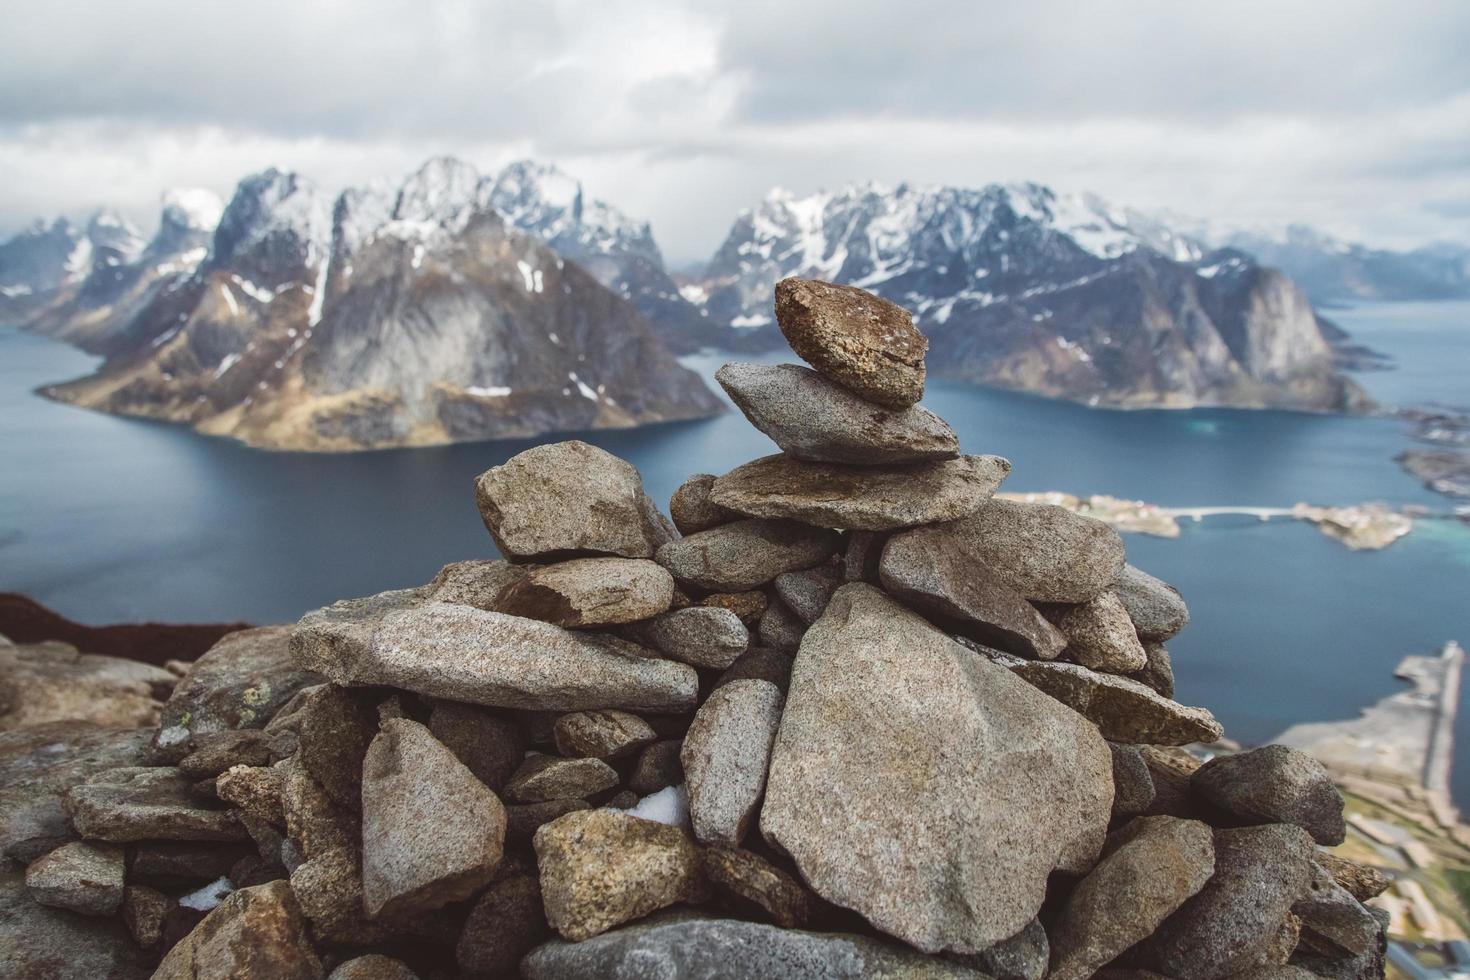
x=109, y=519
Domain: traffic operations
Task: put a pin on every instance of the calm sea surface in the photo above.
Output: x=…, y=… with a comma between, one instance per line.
x=109, y=519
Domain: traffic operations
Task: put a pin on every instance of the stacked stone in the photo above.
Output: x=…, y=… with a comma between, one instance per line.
x=847, y=715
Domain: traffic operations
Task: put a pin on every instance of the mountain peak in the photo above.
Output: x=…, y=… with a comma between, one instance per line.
x=192, y=208
x=443, y=192
x=276, y=219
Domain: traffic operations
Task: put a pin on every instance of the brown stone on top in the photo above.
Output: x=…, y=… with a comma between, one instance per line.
x=861, y=341
x=1362, y=881
x=146, y=803
x=254, y=933
x=814, y=419
x=431, y=832
x=601, y=868
x=566, y=499
x=1122, y=709
x=693, y=511
x=746, y=554
x=585, y=592
x=927, y=569
x=866, y=498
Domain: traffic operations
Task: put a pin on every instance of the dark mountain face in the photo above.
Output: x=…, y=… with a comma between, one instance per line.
x=388, y=317
x=1065, y=296
x=1333, y=271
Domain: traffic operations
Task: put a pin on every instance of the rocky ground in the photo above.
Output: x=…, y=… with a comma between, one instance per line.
x=846, y=715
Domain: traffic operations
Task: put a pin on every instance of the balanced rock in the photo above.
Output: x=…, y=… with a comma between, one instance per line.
x=814, y=419
x=745, y=554
x=1259, y=873
x=1100, y=635
x=807, y=593
x=83, y=876
x=1275, y=784
x=754, y=884
x=861, y=341
x=1122, y=709
x=147, y=803
x=1156, y=607
x=1000, y=784
x=587, y=592
x=547, y=777
x=694, y=948
x=466, y=654
x=601, y=734
x=431, y=832
x=926, y=569
x=702, y=636
x=1044, y=552
x=601, y=868
x=725, y=755
x=255, y=932
x=567, y=499
x=1149, y=869
x=52, y=681
x=693, y=511
x=866, y=498
x=491, y=747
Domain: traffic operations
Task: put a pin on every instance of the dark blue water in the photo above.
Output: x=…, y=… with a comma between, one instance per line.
x=109, y=519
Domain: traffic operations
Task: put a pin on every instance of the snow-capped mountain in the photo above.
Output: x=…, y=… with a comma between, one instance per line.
x=44, y=258
x=1064, y=295
x=390, y=316
x=1334, y=271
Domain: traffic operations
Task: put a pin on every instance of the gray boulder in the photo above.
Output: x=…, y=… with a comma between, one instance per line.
x=745, y=554
x=861, y=341
x=147, y=803
x=725, y=755
x=465, y=654
x=1334, y=923
x=865, y=498
x=702, y=636
x=567, y=499
x=82, y=876
x=1156, y=607
x=1133, y=785
x=924, y=787
x=817, y=420
x=1024, y=956
x=431, y=832
x=1100, y=635
x=926, y=569
x=1122, y=709
x=1158, y=673
x=1275, y=784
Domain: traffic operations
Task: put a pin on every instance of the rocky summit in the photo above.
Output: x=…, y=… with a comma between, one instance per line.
x=846, y=715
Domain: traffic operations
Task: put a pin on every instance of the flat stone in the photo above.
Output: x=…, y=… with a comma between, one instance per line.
x=41, y=943
x=547, y=777
x=780, y=629
x=479, y=583
x=601, y=868
x=1275, y=784
x=1100, y=635
x=568, y=499
x=334, y=727
x=748, y=605
x=601, y=734
x=924, y=787
x=254, y=933
x=143, y=912
x=255, y=790
x=761, y=664
x=39, y=763
x=702, y=636
x=523, y=820
x=1170, y=768
x=1259, y=873
x=725, y=755
x=431, y=832
x=492, y=748
x=693, y=511
x=182, y=863
x=1158, y=673
x=745, y=554
x=587, y=592
x=818, y=420
x=146, y=803
x=1122, y=709
x=861, y=341
x=1361, y=881
x=505, y=924
x=695, y=948
x=374, y=966
x=54, y=681
x=465, y=654
x=925, y=568
x=1133, y=785
x=221, y=751
x=807, y=593
x=1150, y=868
x=865, y=498
x=1024, y=956
x=1334, y=923
x=658, y=767
x=1044, y=552
x=82, y=876
x=1156, y=607
x=241, y=682
x=755, y=885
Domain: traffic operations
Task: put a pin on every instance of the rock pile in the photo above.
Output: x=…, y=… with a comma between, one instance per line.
x=845, y=715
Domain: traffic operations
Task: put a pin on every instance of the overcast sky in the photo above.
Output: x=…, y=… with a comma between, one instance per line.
x=1353, y=115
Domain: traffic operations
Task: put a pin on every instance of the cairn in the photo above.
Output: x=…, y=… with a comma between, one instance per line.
x=846, y=715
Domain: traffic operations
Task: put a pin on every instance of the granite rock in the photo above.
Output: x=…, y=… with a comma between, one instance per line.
x=374, y=966
x=807, y=593
x=41, y=943
x=748, y=553
x=143, y=912
x=588, y=592
x=748, y=605
x=761, y=664
x=1122, y=709
x=82, y=876
x=479, y=583
x=693, y=511
x=780, y=629
x=1100, y=636
x=601, y=734
x=506, y=923
x=146, y=803
x=1156, y=608
x=1275, y=784
x=756, y=886
x=725, y=756
x=490, y=747
x=1158, y=673
x=1133, y=785
x=658, y=767
x=701, y=636
x=254, y=933
x=546, y=777
x=52, y=681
